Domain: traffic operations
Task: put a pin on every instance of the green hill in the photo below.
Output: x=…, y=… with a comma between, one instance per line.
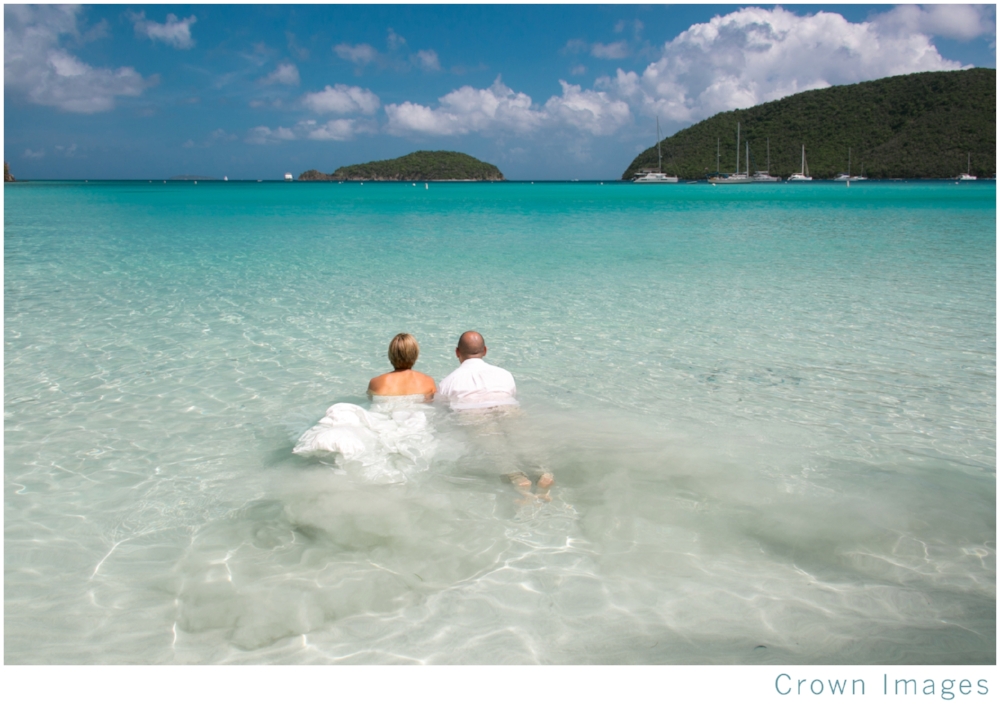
x=422, y=165
x=913, y=126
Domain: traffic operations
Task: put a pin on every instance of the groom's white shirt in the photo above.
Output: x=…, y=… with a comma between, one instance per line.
x=476, y=385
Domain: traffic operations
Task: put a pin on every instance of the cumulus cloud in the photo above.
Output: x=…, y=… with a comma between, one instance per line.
x=961, y=22
x=33, y=154
x=175, y=32
x=592, y=112
x=427, y=59
x=36, y=66
x=756, y=55
x=466, y=110
x=342, y=99
x=359, y=54
x=286, y=73
x=262, y=135
x=500, y=109
x=339, y=129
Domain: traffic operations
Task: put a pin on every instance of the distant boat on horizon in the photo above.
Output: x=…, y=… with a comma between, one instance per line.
x=803, y=174
x=765, y=175
x=967, y=175
x=842, y=177
x=288, y=177
x=647, y=177
x=736, y=178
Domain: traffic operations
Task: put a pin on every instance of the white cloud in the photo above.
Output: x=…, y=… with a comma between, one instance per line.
x=961, y=22
x=755, y=55
x=359, y=54
x=175, y=32
x=616, y=50
x=427, y=59
x=467, y=110
x=339, y=129
x=262, y=135
x=501, y=109
x=286, y=73
x=36, y=66
x=342, y=99
x=589, y=111
x=33, y=154
x=578, y=70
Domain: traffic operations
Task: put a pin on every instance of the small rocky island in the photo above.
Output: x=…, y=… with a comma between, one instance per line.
x=422, y=165
x=7, y=177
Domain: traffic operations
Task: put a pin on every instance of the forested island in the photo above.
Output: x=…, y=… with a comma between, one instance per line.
x=914, y=126
x=421, y=165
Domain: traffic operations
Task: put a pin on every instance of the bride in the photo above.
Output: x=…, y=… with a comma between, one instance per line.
x=403, y=381
x=391, y=441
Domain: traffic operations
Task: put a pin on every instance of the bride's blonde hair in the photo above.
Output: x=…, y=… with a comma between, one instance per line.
x=403, y=351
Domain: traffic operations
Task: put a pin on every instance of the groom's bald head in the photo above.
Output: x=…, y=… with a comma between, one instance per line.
x=470, y=345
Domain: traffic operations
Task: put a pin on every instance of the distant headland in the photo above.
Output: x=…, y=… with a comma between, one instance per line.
x=927, y=125
x=421, y=165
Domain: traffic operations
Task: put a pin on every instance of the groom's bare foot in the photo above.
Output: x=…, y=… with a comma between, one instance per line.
x=544, y=482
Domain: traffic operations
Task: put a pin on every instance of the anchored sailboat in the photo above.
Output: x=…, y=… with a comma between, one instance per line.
x=967, y=175
x=803, y=174
x=736, y=178
x=646, y=177
x=765, y=175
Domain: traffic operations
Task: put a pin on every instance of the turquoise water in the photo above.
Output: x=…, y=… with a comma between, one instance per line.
x=770, y=411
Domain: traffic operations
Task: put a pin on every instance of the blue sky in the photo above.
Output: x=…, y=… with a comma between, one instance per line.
x=543, y=92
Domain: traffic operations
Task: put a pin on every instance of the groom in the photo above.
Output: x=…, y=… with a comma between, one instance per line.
x=477, y=385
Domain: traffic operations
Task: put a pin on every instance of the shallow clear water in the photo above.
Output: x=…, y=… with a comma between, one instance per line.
x=770, y=411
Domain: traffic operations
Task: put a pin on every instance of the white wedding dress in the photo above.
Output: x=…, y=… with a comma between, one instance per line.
x=388, y=443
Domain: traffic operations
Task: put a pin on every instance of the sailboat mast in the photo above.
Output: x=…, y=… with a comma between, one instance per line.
x=659, y=156
x=748, y=158
x=803, y=158
x=737, y=148
x=848, y=162
x=718, y=154
x=768, y=156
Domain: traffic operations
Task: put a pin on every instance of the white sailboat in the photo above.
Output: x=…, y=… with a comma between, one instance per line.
x=803, y=175
x=967, y=175
x=647, y=177
x=765, y=175
x=736, y=178
x=842, y=177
